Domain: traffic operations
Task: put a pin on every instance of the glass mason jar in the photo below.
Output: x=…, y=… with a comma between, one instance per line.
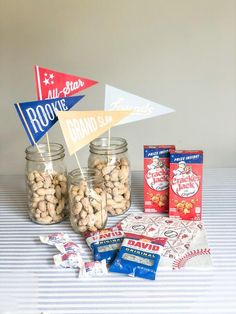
x=110, y=160
x=46, y=182
x=87, y=200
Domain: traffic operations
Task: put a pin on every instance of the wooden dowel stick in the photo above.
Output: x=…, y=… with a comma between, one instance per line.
x=79, y=166
x=109, y=145
x=48, y=143
x=109, y=138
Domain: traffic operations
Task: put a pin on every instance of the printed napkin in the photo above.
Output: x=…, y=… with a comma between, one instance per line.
x=186, y=246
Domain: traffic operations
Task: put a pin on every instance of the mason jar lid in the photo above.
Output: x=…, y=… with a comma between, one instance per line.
x=102, y=146
x=41, y=153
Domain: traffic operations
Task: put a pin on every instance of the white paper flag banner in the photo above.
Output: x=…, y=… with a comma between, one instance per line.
x=117, y=99
x=81, y=127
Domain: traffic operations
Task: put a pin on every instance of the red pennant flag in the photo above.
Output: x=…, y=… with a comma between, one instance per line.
x=53, y=84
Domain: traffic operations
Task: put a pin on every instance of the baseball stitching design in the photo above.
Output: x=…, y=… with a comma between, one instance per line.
x=181, y=262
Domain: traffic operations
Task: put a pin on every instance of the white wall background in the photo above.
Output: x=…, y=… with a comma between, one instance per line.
x=180, y=53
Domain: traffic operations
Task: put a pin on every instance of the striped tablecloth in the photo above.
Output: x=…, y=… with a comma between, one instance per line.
x=30, y=283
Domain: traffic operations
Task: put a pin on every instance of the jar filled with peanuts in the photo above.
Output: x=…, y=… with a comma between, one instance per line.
x=87, y=200
x=109, y=158
x=46, y=182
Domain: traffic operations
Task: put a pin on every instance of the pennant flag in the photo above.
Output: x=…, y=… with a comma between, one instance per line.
x=53, y=84
x=81, y=127
x=117, y=99
x=38, y=117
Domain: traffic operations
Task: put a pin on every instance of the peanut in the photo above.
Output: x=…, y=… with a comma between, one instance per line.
x=115, y=172
x=42, y=206
x=88, y=205
x=45, y=191
x=58, y=192
x=31, y=176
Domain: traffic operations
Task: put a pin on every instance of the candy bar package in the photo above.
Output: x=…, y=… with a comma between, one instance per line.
x=185, y=200
x=68, y=260
x=105, y=243
x=156, y=178
x=69, y=247
x=138, y=256
x=93, y=269
x=55, y=238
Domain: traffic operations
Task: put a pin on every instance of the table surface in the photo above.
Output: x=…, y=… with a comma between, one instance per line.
x=30, y=283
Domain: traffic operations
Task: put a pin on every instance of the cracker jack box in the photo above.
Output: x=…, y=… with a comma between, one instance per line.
x=185, y=199
x=156, y=178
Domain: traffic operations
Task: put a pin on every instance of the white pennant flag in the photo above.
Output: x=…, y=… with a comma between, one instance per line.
x=117, y=99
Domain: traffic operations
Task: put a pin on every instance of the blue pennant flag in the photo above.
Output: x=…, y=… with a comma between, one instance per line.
x=39, y=116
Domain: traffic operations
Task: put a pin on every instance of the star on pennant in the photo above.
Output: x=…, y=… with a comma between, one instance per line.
x=50, y=78
x=46, y=81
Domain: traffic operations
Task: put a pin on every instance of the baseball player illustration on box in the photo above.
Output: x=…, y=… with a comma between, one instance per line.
x=156, y=163
x=181, y=168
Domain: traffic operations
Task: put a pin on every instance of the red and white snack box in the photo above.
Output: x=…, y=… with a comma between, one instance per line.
x=156, y=178
x=185, y=199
